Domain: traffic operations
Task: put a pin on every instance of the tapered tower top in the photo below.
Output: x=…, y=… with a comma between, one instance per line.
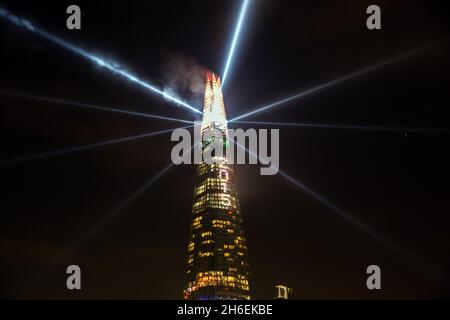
x=213, y=106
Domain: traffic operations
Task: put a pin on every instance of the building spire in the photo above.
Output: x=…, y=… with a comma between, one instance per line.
x=213, y=107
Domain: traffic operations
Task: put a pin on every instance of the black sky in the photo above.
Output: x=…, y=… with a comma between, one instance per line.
x=395, y=182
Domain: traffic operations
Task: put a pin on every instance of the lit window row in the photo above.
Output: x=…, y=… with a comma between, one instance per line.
x=206, y=254
x=213, y=184
x=196, y=225
x=210, y=273
x=215, y=200
x=220, y=223
x=204, y=168
x=216, y=279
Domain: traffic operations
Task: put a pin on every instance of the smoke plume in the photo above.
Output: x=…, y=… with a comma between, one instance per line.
x=183, y=75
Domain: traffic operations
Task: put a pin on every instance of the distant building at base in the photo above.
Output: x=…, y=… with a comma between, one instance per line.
x=283, y=292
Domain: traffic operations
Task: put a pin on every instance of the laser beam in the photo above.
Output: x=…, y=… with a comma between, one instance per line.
x=102, y=222
x=374, y=234
x=131, y=198
x=109, y=65
x=65, y=151
x=122, y=206
x=90, y=106
x=333, y=82
x=345, y=127
x=237, y=31
x=92, y=230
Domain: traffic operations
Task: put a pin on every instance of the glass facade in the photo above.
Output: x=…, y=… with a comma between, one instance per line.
x=217, y=262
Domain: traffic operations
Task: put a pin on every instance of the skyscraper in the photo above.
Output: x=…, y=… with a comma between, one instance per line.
x=217, y=264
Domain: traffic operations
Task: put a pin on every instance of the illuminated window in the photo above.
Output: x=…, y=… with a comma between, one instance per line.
x=220, y=223
x=206, y=254
x=197, y=223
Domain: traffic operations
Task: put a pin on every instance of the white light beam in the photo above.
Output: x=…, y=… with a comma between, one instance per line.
x=237, y=31
x=408, y=256
x=344, y=127
x=65, y=151
x=332, y=82
x=109, y=65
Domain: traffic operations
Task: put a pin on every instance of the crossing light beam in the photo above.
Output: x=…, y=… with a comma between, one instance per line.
x=124, y=204
x=344, y=127
x=237, y=32
x=109, y=65
x=65, y=151
x=407, y=256
x=90, y=106
x=333, y=82
x=82, y=239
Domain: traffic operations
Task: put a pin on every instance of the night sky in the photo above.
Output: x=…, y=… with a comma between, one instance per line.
x=396, y=182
